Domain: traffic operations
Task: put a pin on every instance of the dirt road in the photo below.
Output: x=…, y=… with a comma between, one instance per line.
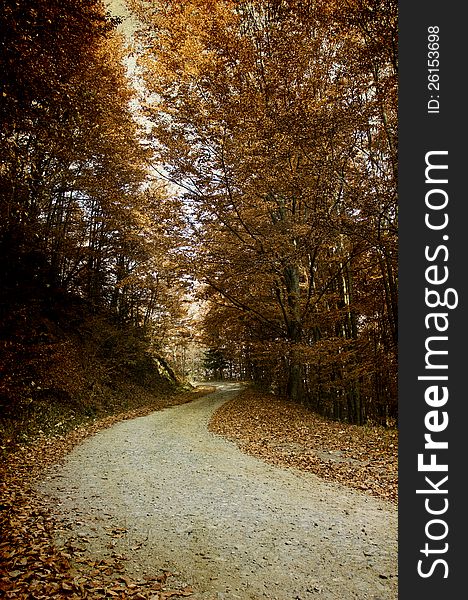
x=165, y=492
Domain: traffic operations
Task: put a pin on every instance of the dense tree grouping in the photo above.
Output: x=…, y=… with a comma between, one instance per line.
x=278, y=119
x=73, y=163
x=86, y=257
x=275, y=122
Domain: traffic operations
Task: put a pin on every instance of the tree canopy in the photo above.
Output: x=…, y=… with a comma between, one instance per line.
x=274, y=125
x=83, y=224
x=278, y=120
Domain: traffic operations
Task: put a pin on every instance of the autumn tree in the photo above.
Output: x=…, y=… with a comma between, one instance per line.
x=44, y=48
x=83, y=222
x=278, y=119
x=74, y=164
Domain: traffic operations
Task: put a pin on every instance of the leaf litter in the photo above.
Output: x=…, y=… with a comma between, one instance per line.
x=275, y=430
x=289, y=435
x=32, y=566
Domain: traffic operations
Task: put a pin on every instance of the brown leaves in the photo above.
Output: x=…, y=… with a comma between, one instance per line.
x=52, y=577
x=31, y=565
x=282, y=131
x=289, y=435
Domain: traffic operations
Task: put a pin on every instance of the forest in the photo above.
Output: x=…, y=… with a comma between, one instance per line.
x=235, y=190
x=198, y=299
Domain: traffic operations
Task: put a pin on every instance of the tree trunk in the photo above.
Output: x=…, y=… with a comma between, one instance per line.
x=295, y=386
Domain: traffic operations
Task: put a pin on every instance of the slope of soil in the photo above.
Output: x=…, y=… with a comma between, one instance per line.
x=62, y=362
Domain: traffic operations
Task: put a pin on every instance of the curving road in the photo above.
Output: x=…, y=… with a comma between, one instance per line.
x=182, y=498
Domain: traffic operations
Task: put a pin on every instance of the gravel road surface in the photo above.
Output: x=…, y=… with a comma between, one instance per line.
x=166, y=493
